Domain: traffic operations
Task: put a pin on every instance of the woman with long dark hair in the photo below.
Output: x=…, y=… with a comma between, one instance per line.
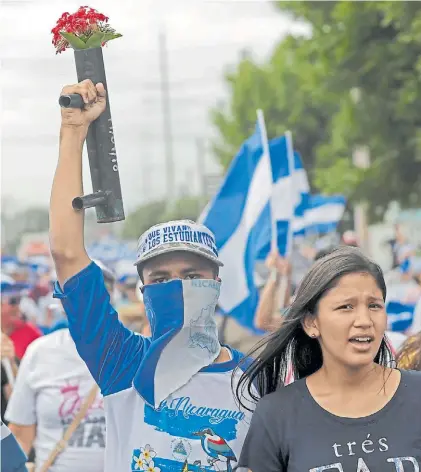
x=349, y=408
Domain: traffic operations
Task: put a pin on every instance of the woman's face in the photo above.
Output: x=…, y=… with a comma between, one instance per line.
x=350, y=321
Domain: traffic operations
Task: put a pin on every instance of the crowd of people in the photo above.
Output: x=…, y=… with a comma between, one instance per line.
x=135, y=373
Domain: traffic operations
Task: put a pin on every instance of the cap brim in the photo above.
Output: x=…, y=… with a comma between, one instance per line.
x=179, y=248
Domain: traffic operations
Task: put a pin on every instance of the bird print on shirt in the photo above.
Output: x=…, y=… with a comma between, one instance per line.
x=216, y=448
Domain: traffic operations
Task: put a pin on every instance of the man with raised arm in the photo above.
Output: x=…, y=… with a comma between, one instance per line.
x=168, y=398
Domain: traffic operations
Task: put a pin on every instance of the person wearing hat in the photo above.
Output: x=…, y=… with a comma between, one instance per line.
x=168, y=397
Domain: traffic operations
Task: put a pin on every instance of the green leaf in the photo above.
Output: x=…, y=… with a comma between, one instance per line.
x=110, y=36
x=73, y=40
x=98, y=38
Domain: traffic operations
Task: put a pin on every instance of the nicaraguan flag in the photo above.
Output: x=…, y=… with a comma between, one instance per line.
x=322, y=215
x=290, y=195
x=12, y=459
x=400, y=307
x=240, y=216
x=184, y=336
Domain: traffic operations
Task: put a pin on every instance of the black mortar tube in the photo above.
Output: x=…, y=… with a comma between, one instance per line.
x=100, y=143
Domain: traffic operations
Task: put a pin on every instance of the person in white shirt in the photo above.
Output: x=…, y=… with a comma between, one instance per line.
x=168, y=398
x=50, y=388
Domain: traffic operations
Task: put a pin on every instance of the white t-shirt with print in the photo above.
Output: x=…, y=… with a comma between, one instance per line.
x=50, y=388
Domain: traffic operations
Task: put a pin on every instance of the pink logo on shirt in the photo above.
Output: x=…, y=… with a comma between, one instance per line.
x=72, y=401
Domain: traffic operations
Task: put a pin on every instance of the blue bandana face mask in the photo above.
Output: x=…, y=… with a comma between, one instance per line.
x=181, y=314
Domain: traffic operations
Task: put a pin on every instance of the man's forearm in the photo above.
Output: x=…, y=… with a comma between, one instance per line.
x=264, y=312
x=66, y=224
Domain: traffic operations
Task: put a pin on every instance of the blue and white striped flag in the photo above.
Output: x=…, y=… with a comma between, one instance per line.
x=12, y=459
x=400, y=306
x=239, y=216
x=322, y=215
x=6, y=281
x=290, y=195
x=258, y=188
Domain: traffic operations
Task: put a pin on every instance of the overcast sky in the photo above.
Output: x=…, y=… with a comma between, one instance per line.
x=203, y=38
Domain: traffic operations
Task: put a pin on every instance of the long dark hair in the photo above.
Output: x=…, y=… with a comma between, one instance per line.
x=290, y=345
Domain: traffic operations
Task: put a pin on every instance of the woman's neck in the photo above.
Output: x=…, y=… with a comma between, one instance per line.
x=353, y=393
x=343, y=378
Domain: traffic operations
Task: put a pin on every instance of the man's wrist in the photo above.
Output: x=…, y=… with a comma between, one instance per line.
x=77, y=133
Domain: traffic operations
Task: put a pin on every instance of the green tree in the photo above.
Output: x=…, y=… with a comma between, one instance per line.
x=187, y=208
x=372, y=46
x=283, y=89
x=307, y=85
x=153, y=213
x=142, y=218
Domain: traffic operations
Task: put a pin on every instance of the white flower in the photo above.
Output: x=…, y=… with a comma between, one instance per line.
x=147, y=454
x=140, y=463
x=151, y=467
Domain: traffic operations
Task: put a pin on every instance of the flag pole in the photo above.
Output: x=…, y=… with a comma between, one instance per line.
x=266, y=150
x=282, y=287
x=288, y=249
x=291, y=167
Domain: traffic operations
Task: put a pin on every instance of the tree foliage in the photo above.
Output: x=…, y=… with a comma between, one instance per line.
x=15, y=225
x=309, y=83
x=153, y=213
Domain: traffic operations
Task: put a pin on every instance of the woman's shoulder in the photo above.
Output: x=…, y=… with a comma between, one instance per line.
x=284, y=399
x=411, y=379
x=410, y=388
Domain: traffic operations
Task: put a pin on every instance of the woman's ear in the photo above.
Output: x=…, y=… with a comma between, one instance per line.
x=218, y=279
x=309, y=325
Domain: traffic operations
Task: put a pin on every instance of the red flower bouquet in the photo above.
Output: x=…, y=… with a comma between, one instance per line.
x=87, y=28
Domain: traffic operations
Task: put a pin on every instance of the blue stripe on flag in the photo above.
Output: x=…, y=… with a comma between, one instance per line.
x=317, y=201
x=400, y=315
x=322, y=215
x=144, y=380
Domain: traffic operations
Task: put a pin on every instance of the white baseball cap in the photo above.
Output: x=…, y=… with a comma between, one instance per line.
x=181, y=235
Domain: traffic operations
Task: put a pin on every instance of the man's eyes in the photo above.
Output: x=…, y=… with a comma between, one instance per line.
x=159, y=281
x=186, y=277
x=194, y=276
